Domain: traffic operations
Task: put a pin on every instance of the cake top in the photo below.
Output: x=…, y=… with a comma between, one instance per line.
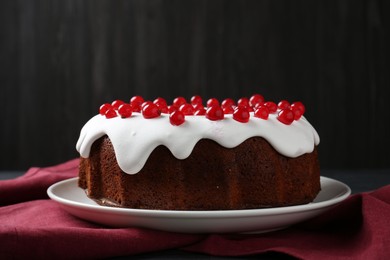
x=138, y=127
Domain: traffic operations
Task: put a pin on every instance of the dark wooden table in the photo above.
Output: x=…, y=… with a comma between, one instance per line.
x=358, y=180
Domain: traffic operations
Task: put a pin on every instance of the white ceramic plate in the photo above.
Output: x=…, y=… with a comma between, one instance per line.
x=74, y=200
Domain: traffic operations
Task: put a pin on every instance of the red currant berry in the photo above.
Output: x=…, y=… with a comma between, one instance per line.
x=241, y=114
x=197, y=106
x=103, y=108
x=272, y=107
x=299, y=105
x=146, y=103
x=200, y=111
x=115, y=104
x=137, y=100
x=187, y=109
x=163, y=110
x=228, y=110
x=172, y=109
x=297, y=112
x=195, y=100
x=161, y=104
x=110, y=113
x=256, y=106
x=286, y=116
x=125, y=110
x=243, y=102
x=262, y=112
x=136, y=103
x=228, y=102
x=256, y=99
x=177, y=102
x=214, y=113
x=150, y=111
x=283, y=104
x=212, y=102
x=135, y=107
x=177, y=118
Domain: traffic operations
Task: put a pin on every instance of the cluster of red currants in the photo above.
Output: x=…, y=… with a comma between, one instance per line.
x=214, y=110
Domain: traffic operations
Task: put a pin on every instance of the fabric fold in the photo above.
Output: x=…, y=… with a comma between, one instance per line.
x=32, y=225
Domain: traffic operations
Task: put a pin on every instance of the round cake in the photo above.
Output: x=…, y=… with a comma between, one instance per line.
x=247, y=154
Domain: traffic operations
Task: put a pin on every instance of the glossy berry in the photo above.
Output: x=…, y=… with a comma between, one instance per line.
x=298, y=105
x=297, y=113
x=146, y=103
x=241, y=114
x=228, y=102
x=257, y=105
x=262, y=112
x=272, y=107
x=212, y=102
x=103, y=108
x=214, y=113
x=115, y=104
x=135, y=107
x=160, y=101
x=200, y=111
x=256, y=99
x=187, y=109
x=136, y=103
x=137, y=100
x=195, y=100
x=150, y=110
x=125, y=110
x=228, y=109
x=198, y=106
x=286, y=116
x=177, y=118
x=250, y=109
x=172, y=109
x=110, y=113
x=163, y=109
x=161, y=104
x=243, y=102
x=177, y=102
x=283, y=104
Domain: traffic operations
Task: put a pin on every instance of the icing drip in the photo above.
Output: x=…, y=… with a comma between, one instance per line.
x=135, y=138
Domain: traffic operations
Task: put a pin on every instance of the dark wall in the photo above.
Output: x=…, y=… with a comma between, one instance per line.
x=59, y=60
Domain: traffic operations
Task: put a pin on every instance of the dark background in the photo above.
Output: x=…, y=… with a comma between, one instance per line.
x=59, y=60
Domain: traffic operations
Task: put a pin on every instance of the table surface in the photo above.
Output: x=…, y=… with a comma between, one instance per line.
x=362, y=180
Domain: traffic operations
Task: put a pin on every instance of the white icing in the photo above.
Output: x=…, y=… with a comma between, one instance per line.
x=135, y=138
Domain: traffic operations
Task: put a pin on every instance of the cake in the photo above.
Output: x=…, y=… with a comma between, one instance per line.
x=248, y=154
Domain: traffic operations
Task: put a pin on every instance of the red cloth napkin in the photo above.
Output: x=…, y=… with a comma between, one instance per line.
x=33, y=226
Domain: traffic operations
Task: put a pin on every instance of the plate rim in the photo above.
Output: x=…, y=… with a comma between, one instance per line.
x=344, y=194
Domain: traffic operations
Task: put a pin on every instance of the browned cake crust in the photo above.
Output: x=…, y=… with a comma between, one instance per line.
x=252, y=175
